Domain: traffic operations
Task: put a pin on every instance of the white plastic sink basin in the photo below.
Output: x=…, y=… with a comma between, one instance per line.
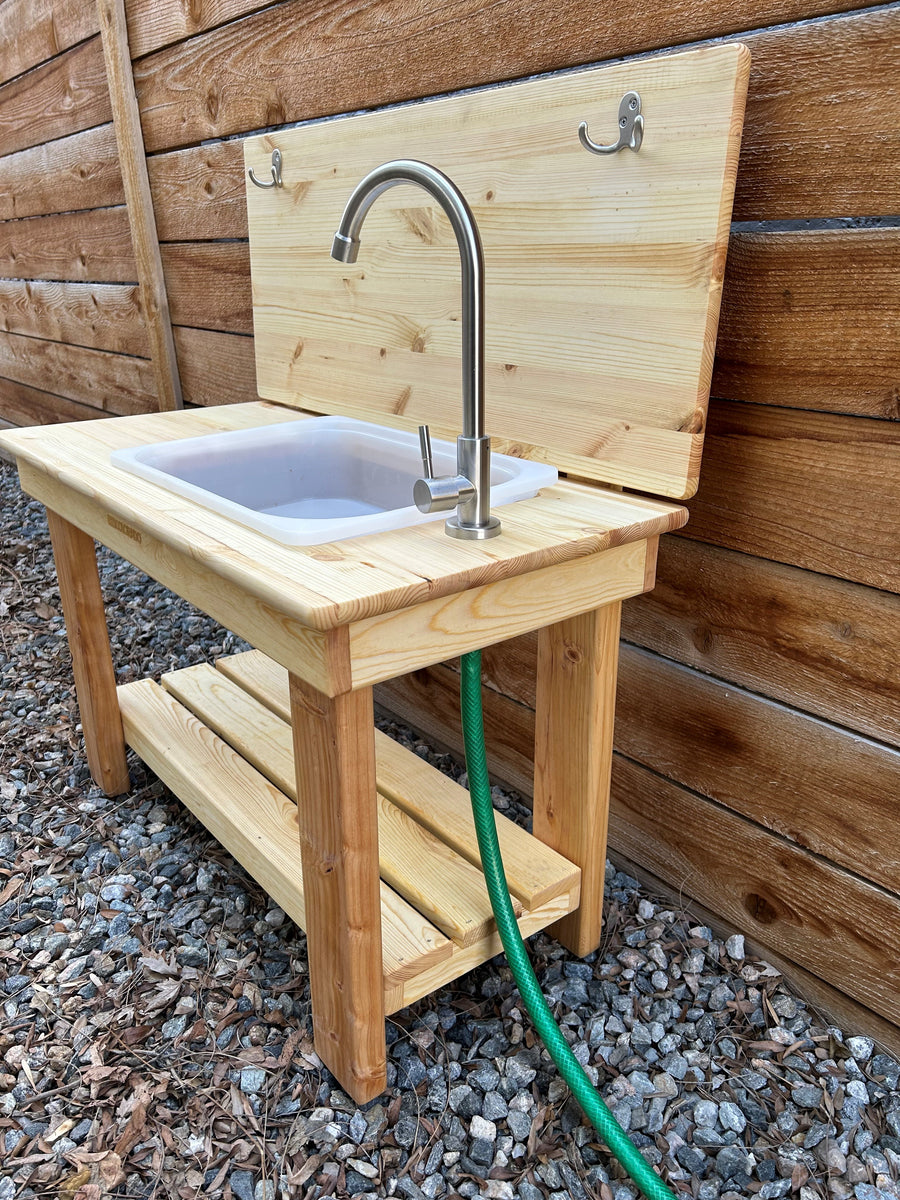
x=318, y=480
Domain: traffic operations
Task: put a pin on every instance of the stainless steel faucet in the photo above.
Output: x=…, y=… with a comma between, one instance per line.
x=469, y=491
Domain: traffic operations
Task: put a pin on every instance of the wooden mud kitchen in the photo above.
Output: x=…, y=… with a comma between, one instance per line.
x=603, y=279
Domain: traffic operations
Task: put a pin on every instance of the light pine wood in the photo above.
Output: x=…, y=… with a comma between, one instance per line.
x=254, y=820
x=428, y=700
x=534, y=872
x=61, y=97
x=114, y=383
x=103, y=316
x=317, y=587
x=576, y=690
x=816, y=490
x=94, y=245
x=422, y=867
x=384, y=647
x=603, y=276
x=79, y=171
x=334, y=756
x=466, y=958
x=129, y=139
x=258, y=825
x=284, y=637
x=92, y=665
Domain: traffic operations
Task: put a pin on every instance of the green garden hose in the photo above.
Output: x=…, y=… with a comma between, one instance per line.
x=615, y=1137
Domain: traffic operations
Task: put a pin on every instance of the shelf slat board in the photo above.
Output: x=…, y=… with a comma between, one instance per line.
x=228, y=756
x=535, y=873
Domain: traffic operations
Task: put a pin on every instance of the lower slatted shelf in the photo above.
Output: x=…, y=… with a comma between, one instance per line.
x=221, y=741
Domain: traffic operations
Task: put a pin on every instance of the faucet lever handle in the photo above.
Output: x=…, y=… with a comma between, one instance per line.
x=425, y=447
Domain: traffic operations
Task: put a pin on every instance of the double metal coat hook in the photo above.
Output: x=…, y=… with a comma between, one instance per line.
x=631, y=128
x=276, y=173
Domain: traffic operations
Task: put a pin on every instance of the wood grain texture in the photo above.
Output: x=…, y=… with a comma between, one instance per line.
x=198, y=193
x=822, y=786
x=152, y=24
x=63, y=96
x=827, y=920
x=391, y=645
x=284, y=638
x=334, y=753
x=534, y=872
x=428, y=700
x=811, y=489
x=845, y=285
x=833, y=1006
x=778, y=286
x=308, y=60
x=79, y=171
x=805, y=906
x=32, y=31
x=94, y=245
x=114, y=383
x=416, y=862
x=576, y=692
x=105, y=316
x=208, y=285
x=574, y=254
x=318, y=587
x=806, y=640
x=465, y=958
x=815, y=142
x=129, y=139
x=262, y=832
x=215, y=368
x=92, y=664
x=24, y=405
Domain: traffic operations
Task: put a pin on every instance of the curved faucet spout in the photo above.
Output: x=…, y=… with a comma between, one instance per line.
x=346, y=246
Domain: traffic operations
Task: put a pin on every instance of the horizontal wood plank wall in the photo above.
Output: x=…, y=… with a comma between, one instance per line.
x=775, y=617
x=74, y=341
x=75, y=172
x=33, y=31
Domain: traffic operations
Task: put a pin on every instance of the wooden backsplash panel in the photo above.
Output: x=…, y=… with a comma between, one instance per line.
x=603, y=273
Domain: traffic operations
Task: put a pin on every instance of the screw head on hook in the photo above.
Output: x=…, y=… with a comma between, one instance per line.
x=631, y=126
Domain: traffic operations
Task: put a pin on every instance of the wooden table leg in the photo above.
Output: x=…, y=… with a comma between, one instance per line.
x=92, y=665
x=334, y=756
x=576, y=694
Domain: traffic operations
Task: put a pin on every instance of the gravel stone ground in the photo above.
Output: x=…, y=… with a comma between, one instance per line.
x=154, y=1007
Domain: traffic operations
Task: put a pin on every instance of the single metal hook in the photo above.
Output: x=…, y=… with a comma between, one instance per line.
x=631, y=128
x=276, y=173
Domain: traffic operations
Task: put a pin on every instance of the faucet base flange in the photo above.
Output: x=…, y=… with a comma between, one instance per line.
x=453, y=529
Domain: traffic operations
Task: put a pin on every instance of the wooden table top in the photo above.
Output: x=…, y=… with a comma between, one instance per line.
x=324, y=586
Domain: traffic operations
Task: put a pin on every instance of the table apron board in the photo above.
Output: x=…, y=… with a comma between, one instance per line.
x=376, y=648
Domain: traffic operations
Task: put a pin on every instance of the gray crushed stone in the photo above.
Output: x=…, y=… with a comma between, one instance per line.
x=153, y=999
